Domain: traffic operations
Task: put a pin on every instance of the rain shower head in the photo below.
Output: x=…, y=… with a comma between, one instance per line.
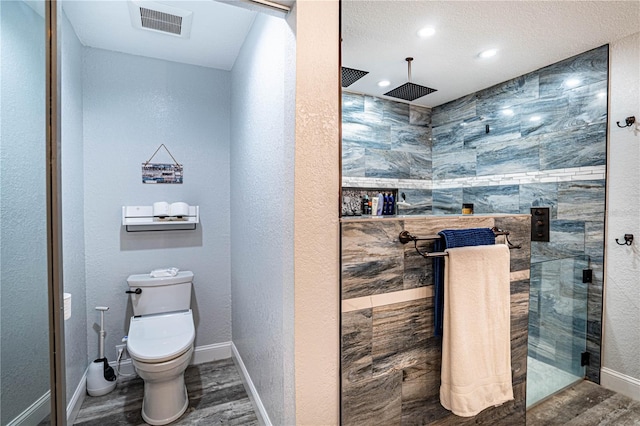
x=351, y=75
x=409, y=91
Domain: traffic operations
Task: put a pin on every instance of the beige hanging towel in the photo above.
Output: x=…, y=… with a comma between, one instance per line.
x=476, y=343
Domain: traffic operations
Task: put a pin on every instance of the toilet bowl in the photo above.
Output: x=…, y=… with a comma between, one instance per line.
x=161, y=348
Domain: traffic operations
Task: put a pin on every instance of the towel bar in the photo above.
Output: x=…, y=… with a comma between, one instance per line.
x=405, y=237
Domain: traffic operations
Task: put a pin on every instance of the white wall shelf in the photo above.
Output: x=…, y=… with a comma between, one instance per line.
x=140, y=218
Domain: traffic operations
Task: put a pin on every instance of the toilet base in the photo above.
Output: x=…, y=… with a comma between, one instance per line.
x=165, y=394
x=165, y=421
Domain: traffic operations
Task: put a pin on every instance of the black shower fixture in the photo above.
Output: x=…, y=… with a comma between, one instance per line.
x=409, y=91
x=351, y=75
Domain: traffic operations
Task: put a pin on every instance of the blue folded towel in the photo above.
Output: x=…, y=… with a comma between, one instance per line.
x=451, y=238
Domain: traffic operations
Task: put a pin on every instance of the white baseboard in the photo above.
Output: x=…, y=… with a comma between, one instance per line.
x=73, y=407
x=621, y=383
x=209, y=353
x=201, y=354
x=261, y=412
x=35, y=413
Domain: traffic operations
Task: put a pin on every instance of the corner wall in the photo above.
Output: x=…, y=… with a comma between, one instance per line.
x=317, y=237
x=262, y=150
x=621, y=336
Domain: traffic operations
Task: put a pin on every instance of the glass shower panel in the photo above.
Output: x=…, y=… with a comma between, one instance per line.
x=24, y=313
x=557, y=326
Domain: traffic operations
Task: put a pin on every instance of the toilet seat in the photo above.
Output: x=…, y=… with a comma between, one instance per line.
x=159, y=338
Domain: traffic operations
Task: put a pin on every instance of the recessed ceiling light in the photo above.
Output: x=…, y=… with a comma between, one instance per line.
x=508, y=112
x=488, y=53
x=426, y=32
x=572, y=82
x=535, y=118
x=384, y=83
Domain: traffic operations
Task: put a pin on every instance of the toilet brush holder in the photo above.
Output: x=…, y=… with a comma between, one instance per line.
x=101, y=378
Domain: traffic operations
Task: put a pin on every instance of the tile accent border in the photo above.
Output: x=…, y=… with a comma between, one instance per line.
x=368, y=302
x=573, y=174
x=520, y=275
x=365, y=302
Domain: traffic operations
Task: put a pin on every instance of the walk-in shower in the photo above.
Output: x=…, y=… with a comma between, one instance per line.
x=557, y=326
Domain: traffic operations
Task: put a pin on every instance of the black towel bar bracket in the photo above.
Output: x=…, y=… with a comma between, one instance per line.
x=406, y=237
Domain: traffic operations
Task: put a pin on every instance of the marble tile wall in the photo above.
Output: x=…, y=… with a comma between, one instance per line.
x=385, y=141
x=548, y=130
x=390, y=358
x=546, y=146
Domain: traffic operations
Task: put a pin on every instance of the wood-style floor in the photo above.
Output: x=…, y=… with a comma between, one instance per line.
x=585, y=404
x=216, y=397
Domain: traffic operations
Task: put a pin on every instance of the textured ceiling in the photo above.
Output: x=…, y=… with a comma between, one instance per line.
x=379, y=35
x=217, y=33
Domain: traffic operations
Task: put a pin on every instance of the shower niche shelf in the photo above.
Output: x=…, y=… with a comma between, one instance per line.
x=140, y=219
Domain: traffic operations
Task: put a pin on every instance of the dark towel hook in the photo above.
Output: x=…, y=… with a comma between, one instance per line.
x=628, y=240
x=628, y=122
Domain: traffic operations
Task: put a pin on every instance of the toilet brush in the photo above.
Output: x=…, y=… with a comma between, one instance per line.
x=101, y=379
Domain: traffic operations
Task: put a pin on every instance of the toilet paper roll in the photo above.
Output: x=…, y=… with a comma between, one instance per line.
x=179, y=210
x=67, y=306
x=161, y=209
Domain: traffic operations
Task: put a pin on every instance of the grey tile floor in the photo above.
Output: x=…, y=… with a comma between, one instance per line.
x=585, y=404
x=216, y=397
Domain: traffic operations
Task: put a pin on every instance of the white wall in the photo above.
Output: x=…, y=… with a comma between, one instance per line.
x=131, y=105
x=621, y=335
x=262, y=151
x=317, y=239
x=75, y=328
x=24, y=331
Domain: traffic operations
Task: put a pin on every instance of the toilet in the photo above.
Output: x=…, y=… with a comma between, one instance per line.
x=160, y=342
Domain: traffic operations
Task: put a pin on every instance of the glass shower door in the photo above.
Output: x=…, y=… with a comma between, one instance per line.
x=24, y=313
x=557, y=326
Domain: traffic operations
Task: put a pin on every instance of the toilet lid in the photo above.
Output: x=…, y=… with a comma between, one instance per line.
x=159, y=338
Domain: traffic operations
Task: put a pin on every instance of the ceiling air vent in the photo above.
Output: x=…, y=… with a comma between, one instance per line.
x=147, y=15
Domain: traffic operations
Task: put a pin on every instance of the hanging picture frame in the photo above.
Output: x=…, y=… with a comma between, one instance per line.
x=157, y=173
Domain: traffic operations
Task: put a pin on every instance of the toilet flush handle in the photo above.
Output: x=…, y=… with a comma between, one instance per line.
x=136, y=291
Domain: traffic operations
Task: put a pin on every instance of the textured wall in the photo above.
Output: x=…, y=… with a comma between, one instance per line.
x=622, y=291
x=317, y=237
x=75, y=328
x=24, y=364
x=131, y=105
x=262, y=150
x=390, y=356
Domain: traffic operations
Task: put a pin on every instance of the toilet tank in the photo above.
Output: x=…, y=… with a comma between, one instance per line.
x=160, y=295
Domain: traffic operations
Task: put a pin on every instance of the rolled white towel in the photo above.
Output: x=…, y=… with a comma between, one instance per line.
x=164, y=272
